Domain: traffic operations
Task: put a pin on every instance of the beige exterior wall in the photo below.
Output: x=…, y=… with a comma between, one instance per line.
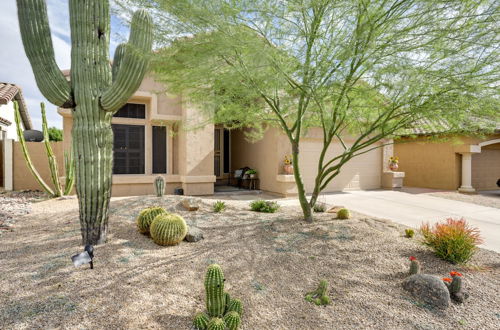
x=23, y=179
x=437, y=164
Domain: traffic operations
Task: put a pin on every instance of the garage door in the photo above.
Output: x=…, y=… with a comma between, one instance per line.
x=486, y=168
x=362, y=172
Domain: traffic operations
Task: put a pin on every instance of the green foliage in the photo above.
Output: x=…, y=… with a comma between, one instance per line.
x=453, y=240
x=343, y=214
x=219, y=206
x=147, y=216
x=200, y=321
x=409, y=233
x=168, y=229
x=319, y=207
x=320, y=295
x=264, y=206
x=251, y=171
x=55, y=134
x=159, y=186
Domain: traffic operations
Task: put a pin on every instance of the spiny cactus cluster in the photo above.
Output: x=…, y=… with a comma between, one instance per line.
x=159, y=186
x=454, y=285
x=223, y=312
x=414, y=266
x=320, y=295
x=343, y=214
x=168, y=229
x=147, y=216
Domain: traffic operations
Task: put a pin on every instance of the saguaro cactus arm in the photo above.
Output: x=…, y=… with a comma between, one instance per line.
x=132, y=61
x=37, y=41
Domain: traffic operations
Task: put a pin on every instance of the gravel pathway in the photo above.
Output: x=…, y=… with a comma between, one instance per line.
x=484, y=199
x=270, y=261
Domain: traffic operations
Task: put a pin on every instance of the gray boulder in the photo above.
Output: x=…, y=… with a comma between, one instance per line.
x=191, y=204
x=194, y=234
x=428, y=289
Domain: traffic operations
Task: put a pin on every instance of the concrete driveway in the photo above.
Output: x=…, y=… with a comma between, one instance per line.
x=412, y=209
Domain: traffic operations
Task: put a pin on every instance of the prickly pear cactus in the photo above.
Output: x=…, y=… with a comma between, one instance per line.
x=168, y=229
x=320, y=295
x=235, y=305
x=95, y=92
x=232, y=320
x=200, y=321
x=147, y=216
x=159, y=186
x=214, y=289
x=216, y=324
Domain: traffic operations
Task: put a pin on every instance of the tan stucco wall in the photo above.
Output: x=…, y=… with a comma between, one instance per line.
x=437, y=164
x=23, y=179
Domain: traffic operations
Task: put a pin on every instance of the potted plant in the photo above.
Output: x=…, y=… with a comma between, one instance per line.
x=287, y=165
x=252, y=173
x=394, y=163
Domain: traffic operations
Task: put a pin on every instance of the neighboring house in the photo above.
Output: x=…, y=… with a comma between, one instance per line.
x=150, y=139
x=450, y=162
x=8, y=94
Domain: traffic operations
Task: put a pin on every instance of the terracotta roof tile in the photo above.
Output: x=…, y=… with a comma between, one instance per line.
x=8, y=92
x=11, y=92
x=5, y=122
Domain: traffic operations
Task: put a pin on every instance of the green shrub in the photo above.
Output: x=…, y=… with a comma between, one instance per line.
x=264, y=206
x=319, y=207
x=409, y=233
x=219, y=206
x=453, y=240
x=343, y=214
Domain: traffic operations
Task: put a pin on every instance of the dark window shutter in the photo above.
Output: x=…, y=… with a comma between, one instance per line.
x=132, y=110
x=159, y=149
x=128, y=149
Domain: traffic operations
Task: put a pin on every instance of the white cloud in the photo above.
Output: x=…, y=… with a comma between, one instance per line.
x=14, y=65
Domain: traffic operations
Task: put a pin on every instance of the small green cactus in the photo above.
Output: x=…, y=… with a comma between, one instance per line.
x=216, y=324
x=227, y=299
x=414, y=266
x=409, y=233
x=159, y=186
x=168, y=229
x=320, y=295
x=147, y=216
x=235, y=305
x=232, y=320
x=214, y=288
x=343, y=214
x=200, y=321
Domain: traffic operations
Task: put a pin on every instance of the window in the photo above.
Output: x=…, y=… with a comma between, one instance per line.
x=132, y=110
x=128, y=149
x=159, y=149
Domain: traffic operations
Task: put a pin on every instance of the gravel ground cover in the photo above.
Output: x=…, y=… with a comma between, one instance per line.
x=14, y=204
x=485, y=199
x=270, y=262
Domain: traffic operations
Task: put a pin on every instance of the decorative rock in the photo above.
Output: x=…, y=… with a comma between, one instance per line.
x=191, y=204
x=428, y=289
x=194, y=235
x=334, y=209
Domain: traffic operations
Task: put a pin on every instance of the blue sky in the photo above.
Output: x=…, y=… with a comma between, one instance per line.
x=15, y=67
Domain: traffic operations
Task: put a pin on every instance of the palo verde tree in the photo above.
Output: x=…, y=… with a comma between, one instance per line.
x=95, y=91
x=360, y=71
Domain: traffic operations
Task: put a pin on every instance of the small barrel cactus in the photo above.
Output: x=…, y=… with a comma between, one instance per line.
x=159, y=186
x=214, y=288
x=216, y=324
x=235, y=305
x=320, y=295
x=200, y=321
x=168, y=229
x=414, y=266
x=455, y=288
x=343, y=214
x=147, y=216
x=232, y=320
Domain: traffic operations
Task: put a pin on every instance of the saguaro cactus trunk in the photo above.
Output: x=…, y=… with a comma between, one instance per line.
x=95, y=92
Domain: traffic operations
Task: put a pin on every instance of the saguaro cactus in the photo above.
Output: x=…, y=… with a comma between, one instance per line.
x=94, y=92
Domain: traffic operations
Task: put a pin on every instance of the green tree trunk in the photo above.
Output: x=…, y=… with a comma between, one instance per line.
x=306, y=208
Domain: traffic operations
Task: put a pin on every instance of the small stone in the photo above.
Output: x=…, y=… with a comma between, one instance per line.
x=335, y=209
x=194, y=235
x=428, y=289
x=191, y=204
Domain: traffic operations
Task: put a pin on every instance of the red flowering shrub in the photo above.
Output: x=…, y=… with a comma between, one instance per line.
x=453, y=240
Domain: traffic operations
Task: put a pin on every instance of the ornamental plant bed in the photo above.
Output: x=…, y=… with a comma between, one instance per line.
x=137, y=284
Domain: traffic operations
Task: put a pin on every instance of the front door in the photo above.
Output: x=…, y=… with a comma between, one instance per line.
x=221, y=152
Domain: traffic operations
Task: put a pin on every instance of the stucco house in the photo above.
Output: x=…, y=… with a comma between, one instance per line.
x=450, y=162
x=153, y=135
x=8, y=94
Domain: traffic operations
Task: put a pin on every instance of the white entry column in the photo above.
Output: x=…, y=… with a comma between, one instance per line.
x=466, y=186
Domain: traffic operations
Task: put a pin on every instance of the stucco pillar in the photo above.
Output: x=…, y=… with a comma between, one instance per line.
x=466, y=186
x=8, y=154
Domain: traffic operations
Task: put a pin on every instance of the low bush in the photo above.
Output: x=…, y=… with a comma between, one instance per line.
x=264, y=206
x=409, y=233
x=219, y=206
x=319, y=207
x=453, y=240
